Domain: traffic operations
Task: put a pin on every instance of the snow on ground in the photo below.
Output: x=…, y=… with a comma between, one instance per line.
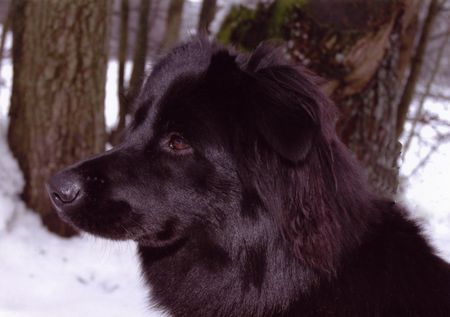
x=44, y=275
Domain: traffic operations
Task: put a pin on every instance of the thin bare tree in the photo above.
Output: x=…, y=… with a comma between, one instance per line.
x=207, y=14
x=416, y=67
x=128, y=92
x=5, y=30
x=122, y=57
x=173, y=24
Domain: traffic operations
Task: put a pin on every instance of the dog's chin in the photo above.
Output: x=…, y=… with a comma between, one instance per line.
x=118, y=231
x=150, y=241
x=111, y=232
x=113, y=220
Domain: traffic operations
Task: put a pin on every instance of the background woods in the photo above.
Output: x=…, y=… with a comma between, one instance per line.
x=376, y=59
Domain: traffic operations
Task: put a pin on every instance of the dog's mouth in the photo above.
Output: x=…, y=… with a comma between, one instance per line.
x=113, y=219
x=88, y=204
x=148, y=240
x=168, y=234
x=108, y=219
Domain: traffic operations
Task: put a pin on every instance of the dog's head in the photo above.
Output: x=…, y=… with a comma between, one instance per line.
x=216, y=137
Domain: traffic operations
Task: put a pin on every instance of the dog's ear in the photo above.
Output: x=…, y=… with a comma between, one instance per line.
x=283, y=104
x=223, y=67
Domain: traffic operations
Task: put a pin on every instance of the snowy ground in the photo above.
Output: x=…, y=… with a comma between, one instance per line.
x=44, y=275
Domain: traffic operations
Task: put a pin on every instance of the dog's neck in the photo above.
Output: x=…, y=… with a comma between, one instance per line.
x=231, y=268
x=244, y=281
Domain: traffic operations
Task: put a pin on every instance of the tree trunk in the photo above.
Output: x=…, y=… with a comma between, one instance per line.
x=207, y=13
x=127, y=95
x=362, y=49
x=5, y=29
x=140, y=53
x=173, y=23
x=57, y=102
x=122, y=57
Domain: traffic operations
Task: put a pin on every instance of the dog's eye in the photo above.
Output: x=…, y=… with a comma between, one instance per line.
x=178, y=143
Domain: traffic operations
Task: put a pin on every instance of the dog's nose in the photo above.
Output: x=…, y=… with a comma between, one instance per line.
x=64, y=189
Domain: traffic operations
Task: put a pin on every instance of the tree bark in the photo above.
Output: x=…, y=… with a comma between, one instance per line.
x=207, y=13
x=173, y=23
x=122, y=57
x=362, y=49
x=140, y=53
x=5, y=29
x=57, y=102
x=129, y=93
x=368, y=80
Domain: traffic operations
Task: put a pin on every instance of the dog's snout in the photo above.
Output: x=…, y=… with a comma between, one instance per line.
x=64, y=189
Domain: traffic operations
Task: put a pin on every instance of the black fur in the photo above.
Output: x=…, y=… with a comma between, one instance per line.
x=254, y=207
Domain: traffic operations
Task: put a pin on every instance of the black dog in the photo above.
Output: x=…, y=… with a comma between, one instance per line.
x=243, y=201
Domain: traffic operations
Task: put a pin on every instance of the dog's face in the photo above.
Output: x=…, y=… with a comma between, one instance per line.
x=172, y=171
x=204, y=123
